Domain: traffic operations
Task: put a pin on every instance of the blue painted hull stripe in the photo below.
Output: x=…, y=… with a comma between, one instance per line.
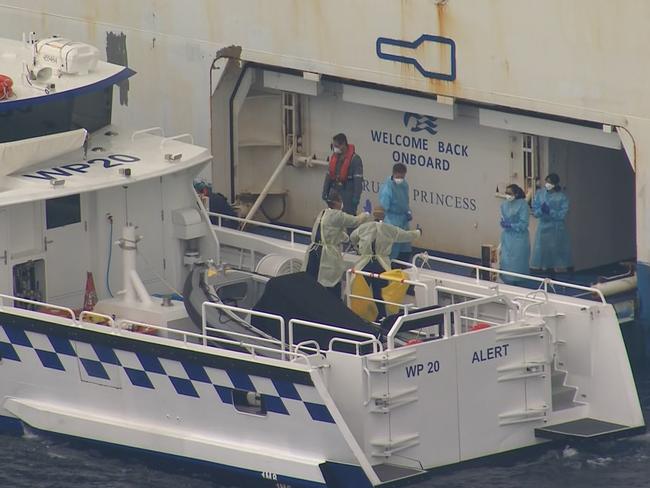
x=64, y=95
x=102, y=362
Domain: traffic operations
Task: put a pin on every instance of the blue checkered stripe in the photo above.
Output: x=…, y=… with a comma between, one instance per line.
x=150, y=372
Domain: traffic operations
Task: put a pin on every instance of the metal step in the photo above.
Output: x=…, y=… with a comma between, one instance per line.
x=388, y=447
x=562, y=395
x=389, y=472
x=585, y=428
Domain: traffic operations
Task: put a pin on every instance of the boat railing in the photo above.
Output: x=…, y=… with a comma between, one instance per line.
x=349, y=276
x=27, y=301
x=545, y=284
x=452, y=314
x=85, y=319
x=290, y=230
x=369, y=339
x=231, y=309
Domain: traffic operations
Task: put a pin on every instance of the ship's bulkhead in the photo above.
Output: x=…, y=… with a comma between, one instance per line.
x=460, y=158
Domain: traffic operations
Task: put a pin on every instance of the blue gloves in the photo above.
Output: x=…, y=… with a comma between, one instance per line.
x=506, y=225
x=545, y=208
x=367, y=206
x=409, y=216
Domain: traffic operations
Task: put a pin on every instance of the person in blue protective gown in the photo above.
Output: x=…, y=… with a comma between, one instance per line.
x=552, y=249
x=515, y=243
x=394, y=198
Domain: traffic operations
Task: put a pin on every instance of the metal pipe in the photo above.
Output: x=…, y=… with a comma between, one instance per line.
x=310, y=161
x=268, y=185
x=617, y=286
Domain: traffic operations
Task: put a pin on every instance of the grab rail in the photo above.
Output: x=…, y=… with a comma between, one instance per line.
x=40, y=304
x=292, y=232
x=377, y=276
x=221, y=306
x=370, y=339
x=147, y=131
x=545, y=282
x=445, y=311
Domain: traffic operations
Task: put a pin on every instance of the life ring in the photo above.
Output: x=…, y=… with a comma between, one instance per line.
x=142, y=329
x=6, y=87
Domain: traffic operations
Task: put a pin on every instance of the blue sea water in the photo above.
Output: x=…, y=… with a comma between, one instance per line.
x=38, y=461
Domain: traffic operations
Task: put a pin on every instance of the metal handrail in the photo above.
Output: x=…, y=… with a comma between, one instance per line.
x=377, y=346
x=446, y=311
x=292, y=232
x=205, y=338
x=377, y=276
x=358, y=345
x=478, y=268
x=165, y=140
x=246, y=336
x=222, y=306
x=147, y=131
x=40, y=304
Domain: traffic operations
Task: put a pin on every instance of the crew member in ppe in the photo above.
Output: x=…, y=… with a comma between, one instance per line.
x=552, y=249
x=345, y=174
x=515, y=243
x=323, y=259
x=374, y=241
x=394, y=198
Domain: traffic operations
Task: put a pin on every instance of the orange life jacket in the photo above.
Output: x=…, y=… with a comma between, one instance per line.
x=345, y=167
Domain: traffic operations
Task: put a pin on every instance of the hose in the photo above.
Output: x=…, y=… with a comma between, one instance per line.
x=110, y=255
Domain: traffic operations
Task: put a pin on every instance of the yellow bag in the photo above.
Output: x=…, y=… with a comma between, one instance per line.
x=366, y=309
x=393, y=292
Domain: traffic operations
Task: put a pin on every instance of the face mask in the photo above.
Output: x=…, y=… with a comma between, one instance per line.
x=549, y=186
x=337, y=150
x=398, y=181
x=510, y=198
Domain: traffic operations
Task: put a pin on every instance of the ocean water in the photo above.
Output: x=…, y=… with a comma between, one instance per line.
x=41, y=461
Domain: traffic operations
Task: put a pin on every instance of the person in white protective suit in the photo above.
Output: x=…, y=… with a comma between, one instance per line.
x=323, y=259
x=374, y=241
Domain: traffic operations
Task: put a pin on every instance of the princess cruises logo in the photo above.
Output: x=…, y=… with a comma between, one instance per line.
x=418, y=123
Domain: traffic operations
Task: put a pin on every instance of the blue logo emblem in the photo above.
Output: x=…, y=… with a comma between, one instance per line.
x=421, y=122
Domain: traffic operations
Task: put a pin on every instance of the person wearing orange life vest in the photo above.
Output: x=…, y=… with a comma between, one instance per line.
x=345, y=174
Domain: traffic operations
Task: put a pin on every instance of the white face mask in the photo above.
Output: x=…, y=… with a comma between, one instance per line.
x=398, y=181
x=337, y=150
x=549, y=186
x=510, y=198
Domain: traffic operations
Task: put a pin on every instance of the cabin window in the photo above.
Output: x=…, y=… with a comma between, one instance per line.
x=246, y=401
x=63, y=211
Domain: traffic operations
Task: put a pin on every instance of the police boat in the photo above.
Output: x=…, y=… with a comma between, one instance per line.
x=132, y=315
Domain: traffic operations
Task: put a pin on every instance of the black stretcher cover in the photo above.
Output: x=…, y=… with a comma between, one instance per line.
x=300, y=296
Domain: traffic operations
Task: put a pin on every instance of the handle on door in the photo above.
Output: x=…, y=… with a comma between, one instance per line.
x=46, y=241
x=5, y=257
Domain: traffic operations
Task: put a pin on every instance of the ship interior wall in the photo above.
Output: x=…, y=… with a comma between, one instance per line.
x=457, y=171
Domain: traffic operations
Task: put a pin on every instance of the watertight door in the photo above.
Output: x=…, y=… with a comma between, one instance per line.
x=5, y=269
x=66, y=250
